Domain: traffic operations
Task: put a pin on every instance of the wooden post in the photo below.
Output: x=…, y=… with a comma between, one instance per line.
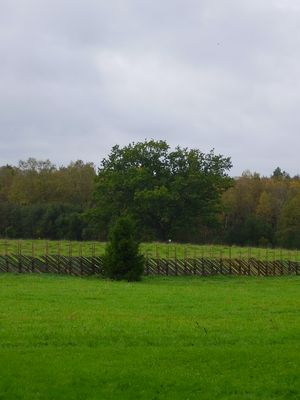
x=249, y=259
x=58, y=258
x=167, y=258
x=281, y=269
x=289, y=267
x=158, y=261
x=93, y=259
x=80, y=258
x=20, y=256
x=70, y=259
x=46, y=258
x=202, y=261
x=32, y=256
x=147, y=262
x=185, y=261
x=6, y=256
x=221, y=261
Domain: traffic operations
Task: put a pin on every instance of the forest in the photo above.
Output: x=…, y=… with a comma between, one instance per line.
x=182, y=194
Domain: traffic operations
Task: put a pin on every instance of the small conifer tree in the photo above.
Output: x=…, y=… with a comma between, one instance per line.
x=122, y=259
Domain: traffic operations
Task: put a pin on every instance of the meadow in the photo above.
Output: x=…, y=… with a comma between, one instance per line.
x=163, y=338
x=155, y=250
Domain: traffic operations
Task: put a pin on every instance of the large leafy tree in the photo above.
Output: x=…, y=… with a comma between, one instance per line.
x=169, y=193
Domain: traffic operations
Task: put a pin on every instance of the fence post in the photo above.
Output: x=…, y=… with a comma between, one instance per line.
x=80, y=259
x=93, y=259
x=184, y=261
x=267, y=263
x=281, y=268
x=176, y=265
x=6, y=256
x=167, y=260
x=19, y=256
x=202, y=262
x=46, y=258
x=32, y=256
x=147, y=262
x=221, y=261
x=70, y=259
x=157, y=261
x=249, y=260
x=58, y=258
x=289, y=267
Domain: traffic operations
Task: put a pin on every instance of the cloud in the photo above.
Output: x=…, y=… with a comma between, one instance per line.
x=77, y=77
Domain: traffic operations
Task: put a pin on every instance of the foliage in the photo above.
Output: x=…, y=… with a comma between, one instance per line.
x=183, y=195
x=48, y=221
x=288, y=233
x=39, y=200
x=37, y=182
x=278, y=173
x=257, y=210
x=122, y=259
x=170, y=193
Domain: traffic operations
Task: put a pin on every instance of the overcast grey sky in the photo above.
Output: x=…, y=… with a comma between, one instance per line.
x=77, y=77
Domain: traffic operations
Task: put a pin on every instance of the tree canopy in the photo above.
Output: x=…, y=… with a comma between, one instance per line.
x=170, y=193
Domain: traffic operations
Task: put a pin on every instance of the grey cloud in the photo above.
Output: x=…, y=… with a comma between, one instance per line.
x=76, y=77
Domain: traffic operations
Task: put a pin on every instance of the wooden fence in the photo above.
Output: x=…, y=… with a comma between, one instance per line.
x=87, y=266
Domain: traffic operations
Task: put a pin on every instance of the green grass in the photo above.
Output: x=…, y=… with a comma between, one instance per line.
x=164, y=338
x=156, y=249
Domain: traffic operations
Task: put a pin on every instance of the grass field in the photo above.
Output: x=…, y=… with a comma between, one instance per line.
x=164, y=338
x=158, y=250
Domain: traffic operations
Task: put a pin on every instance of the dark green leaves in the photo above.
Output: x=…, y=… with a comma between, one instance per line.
x=167, y=192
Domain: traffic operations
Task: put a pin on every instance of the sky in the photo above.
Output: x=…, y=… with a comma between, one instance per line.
x=77, y=77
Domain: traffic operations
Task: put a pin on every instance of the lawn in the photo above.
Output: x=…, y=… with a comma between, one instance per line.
x=155, y=249
x=164, y=338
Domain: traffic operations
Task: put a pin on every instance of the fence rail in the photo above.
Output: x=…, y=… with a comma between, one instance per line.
x=88, y=266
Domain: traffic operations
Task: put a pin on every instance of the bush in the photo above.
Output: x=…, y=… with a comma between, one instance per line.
x=122, y=259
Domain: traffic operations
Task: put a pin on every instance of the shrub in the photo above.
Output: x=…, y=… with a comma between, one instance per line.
x=122, y=259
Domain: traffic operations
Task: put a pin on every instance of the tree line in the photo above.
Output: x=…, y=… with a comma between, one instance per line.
x=180, y=194
x=40, y=200
x=262, y=211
